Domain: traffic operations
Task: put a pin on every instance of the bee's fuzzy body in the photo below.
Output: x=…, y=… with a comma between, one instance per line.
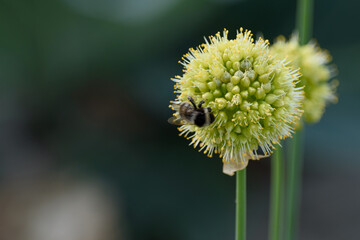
x=192, y=114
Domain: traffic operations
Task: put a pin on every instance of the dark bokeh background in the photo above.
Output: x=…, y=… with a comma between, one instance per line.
x=86, y=151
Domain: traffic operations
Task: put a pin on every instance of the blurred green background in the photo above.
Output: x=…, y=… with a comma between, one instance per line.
x=86, y=150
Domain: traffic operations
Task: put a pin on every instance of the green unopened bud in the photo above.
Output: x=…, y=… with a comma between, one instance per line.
x=264, y=78
x=229, y=86
x=223, y=88
x=203, y=76
x=235, y=57
x=235, y=90
x=270, y=98
x=255, y=84
x=217, y=93
x=244, y=94
x=260, y=93
x=228, y=64
x=203, y=87
x=226, y=77
x=251, y=75
x=207, y=96
x=267, y=87
x=235, y=80
x=212, y=85
x=279, y=92
x=217, y=81
x=251, y=91
x=228, y=96
x=226, y=56
x=245, y=64
x=239, y=73
x=260, y=68
x=279, y=103
x=245, y=82
x=217, y=71
x=236, y=65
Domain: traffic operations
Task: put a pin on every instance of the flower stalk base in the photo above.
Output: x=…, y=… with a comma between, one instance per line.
x=240, y=221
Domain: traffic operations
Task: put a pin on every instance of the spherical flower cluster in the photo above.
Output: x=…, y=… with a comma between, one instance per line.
x=315, y=72
x=252, y=95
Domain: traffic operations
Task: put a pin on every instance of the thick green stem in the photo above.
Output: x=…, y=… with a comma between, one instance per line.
x=295, y=165
x=304, y=20
x=277, y=196
x=304, y=25
x=240, y=225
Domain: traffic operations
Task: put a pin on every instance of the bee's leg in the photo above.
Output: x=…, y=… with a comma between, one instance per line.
x=192, y=101
x=201, y=103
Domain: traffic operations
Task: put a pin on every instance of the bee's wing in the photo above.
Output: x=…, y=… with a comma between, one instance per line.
x=175, y=106
x=175, y=121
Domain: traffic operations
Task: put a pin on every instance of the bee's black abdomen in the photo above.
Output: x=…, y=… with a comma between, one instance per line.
x=212, y=118
x=200, y=119
x=198, y=116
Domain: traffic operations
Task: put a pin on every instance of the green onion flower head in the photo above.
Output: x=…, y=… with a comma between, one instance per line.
x=251, y=94
x=315, y=71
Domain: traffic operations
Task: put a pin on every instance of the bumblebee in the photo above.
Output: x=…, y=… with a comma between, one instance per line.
x=191, y=114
